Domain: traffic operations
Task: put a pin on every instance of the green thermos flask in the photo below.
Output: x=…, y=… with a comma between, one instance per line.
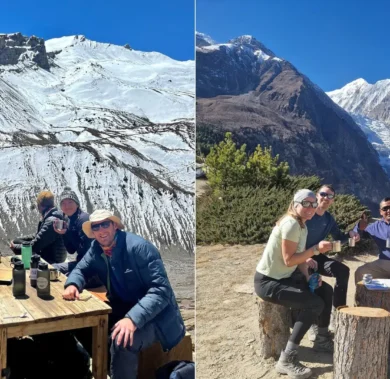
x=26, y=254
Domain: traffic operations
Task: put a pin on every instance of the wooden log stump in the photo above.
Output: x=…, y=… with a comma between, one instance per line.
x=274, y=325
x=371, y=298
x=361, y=343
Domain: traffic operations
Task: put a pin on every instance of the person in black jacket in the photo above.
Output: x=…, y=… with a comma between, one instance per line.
x=46, y=242
x=74, y=238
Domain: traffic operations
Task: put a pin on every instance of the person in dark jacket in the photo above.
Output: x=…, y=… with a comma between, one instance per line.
x=74, y=238
x=46, y=242
x=144, y=307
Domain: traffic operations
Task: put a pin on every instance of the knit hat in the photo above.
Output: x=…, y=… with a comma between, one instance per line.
x=67, y=193
x=303, y=194
x=100, y=215
x=45, y=199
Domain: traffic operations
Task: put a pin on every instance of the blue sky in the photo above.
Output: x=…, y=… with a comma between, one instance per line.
x=332, y=42
x=149, y=25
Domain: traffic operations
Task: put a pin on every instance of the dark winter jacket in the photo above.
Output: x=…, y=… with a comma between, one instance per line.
x=75, y=240
x=136, y=275
x=47, y=243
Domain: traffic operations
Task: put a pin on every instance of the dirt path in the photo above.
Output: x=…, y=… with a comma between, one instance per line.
x=226, y=319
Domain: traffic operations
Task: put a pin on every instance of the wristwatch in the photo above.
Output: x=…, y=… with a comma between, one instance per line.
x=315, y=250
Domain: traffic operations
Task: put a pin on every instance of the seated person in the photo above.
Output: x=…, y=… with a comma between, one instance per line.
x=74, y=238
x=379, y=231
x=144, y=307
x=46, y=242
x=274, y=282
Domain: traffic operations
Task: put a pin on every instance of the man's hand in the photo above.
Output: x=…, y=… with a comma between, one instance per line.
x=325, y=246
x=312, y=264
x=124, y=329
x=354, y=235
x=363, y=223
x=71, y=293
x=11, y=245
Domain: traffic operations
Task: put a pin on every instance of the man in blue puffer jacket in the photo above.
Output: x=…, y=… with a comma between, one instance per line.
x=144, y=307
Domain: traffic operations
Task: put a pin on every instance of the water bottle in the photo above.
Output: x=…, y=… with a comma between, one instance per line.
x=313, y=280
x=43, y=280
x=26, y=254
x=18, y=279
x=34, y=269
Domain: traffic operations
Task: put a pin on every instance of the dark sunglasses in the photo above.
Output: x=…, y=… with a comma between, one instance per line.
x=307, y=204
x=104, y=225
x=328, y=195
x=386, y=208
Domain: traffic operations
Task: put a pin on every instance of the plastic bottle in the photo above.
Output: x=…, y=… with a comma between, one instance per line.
x=18, y=279
x=34, y=269
x=313, y=280
x=43, y=280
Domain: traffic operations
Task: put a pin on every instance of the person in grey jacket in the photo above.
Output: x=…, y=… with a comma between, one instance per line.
x=74, y=238
x=46, y=242
x=144, y=307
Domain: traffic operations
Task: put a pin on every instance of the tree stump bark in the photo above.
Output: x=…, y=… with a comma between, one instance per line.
x=361, y=343
x=274, y=325
x=370, y=298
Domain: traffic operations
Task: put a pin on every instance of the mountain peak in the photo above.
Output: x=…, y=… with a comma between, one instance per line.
x=203, y=39
x=248, y=40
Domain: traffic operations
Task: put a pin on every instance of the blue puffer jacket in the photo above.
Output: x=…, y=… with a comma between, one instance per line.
x=143, y=281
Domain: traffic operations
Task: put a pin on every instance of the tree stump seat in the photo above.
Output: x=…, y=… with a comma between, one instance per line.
x=361, y=343
x=371, y=298
x=274, y=326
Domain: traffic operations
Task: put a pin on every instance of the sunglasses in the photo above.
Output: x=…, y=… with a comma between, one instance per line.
x=104, y=225
x=307, y=204
x=328, y=195
x=386, y=208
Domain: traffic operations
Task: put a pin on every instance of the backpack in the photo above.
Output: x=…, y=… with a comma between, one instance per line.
x=177, y=370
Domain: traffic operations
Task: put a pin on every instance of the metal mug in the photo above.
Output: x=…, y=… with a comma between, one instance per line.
x=59, y=224
x=351, y=242
x=388, y=242
x=367, y=278
x=54, y=274
x=336, y=246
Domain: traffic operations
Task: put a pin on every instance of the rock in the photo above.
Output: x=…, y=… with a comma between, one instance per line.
x=127, y=46
x=15, y=48
x=244, y=288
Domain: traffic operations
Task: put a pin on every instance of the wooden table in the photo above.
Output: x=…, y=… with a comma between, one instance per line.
x=53, y=315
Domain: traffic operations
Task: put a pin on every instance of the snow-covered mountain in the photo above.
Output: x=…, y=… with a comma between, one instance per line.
x=115, y=124
x=369, y=105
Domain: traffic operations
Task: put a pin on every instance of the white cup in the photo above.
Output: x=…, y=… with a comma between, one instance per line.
x=351, y=242
x=336, y=246
x=388, y=242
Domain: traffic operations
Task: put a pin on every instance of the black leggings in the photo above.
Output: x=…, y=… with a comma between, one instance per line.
x=329, y=267
x=295, y=294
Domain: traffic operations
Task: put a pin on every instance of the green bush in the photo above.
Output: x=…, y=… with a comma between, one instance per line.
x=229, y=166
x=246, y=215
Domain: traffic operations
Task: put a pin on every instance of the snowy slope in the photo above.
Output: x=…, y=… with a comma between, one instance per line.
x=369, y=105
x=115, y=124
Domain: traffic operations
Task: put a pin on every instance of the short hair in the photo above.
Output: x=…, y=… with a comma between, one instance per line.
x=384, y=200
x=329, y=186
x=45, y=199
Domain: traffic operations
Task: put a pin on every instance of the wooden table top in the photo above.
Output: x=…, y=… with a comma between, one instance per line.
x=43, y=310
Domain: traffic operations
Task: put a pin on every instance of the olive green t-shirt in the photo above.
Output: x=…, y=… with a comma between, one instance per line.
x=271, y=263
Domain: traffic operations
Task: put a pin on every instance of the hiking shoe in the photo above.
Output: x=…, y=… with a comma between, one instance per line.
x=288, y=364
x=312, y=332
x=324, y=343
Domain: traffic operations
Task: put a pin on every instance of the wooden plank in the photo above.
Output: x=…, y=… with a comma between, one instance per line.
x=43, y=326
x=99, y=348
x=3, y=349
x=88, y=307
x=9, y=306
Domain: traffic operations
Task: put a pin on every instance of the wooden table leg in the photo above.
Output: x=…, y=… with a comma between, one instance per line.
x=99, y=348
x=3, y=351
